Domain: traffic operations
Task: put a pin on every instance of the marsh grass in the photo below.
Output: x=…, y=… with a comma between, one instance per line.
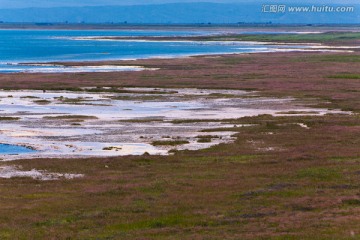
x=320, y=174
x=345, y=76
x=229, y=187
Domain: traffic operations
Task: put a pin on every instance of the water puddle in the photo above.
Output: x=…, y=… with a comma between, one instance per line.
x=14, y=149
x=127, y=121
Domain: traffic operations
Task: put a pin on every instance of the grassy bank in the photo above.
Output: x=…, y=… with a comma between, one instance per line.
x=277, y=181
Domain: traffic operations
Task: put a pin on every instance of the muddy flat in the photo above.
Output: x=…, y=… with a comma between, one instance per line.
x=128, y=121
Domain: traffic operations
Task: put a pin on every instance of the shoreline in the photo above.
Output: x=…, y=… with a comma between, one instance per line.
x=102, y=64
x=315, y=48
x=150, y=63
x=9, y=81
x=335, y=41
x=170, y=56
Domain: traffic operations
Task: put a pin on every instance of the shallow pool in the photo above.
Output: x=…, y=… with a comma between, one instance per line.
x=13, y=149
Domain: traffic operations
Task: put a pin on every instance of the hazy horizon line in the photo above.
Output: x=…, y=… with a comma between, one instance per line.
x=49, y=4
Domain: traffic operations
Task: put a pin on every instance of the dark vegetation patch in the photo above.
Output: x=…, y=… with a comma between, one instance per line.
x=9, y=118
x=70, y=117
x=142, y=120
x=169, y=143
x=351, y=202
x=207, y=138
x=42, y=102
x=29, y=97
x=112, y=148
x=204, y=140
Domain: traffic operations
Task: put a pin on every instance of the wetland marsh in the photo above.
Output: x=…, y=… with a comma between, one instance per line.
x=242, y=146
x=99, y=122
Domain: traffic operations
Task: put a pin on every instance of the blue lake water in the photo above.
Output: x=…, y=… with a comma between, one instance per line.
x=19, y=46
x=13, y=149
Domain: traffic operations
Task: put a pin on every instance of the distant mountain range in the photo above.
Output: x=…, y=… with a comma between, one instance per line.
x=178, y=13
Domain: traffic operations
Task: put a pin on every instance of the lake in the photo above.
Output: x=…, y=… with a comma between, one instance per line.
x=40, y=46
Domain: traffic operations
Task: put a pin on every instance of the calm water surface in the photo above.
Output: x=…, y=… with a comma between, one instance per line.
x=21, y=46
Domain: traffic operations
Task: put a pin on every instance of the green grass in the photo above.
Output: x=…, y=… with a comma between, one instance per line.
x=346, y=76
x=320, y=174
